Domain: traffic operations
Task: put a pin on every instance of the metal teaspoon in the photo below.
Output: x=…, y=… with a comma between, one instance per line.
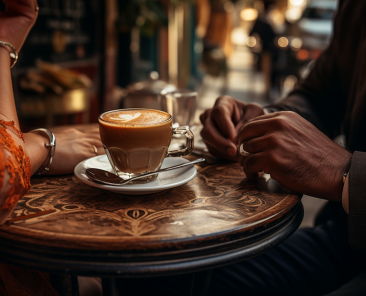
x=105, y=177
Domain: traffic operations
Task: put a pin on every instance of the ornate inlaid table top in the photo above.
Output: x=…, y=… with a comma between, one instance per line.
x=219, y=202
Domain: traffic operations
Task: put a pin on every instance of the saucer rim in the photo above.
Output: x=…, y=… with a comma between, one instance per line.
x=137, y=187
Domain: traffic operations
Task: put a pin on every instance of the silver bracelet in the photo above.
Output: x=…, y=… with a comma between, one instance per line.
x=13, y=55
x=52, y=145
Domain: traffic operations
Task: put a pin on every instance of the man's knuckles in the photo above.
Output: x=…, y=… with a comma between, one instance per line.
x=224, y=100
x=253, y=110
x=219, y=111
x=273, y=141
x=273, y=158
x=250, y=146
x=204, y=116
x=280, y=123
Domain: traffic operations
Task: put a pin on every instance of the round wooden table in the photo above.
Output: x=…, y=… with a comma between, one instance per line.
x=216, y=219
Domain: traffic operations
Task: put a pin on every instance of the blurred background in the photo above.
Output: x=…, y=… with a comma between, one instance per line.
x=84, y=57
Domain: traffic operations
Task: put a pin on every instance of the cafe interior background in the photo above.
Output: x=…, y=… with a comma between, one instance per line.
x=84, y=57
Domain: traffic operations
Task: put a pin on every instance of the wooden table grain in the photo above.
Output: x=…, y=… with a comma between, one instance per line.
x=219, y=217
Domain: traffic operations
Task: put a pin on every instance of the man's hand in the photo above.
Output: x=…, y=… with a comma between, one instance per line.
x=222, y=123
x=295, y=153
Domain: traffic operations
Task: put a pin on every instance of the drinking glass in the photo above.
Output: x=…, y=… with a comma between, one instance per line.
x=181, y=104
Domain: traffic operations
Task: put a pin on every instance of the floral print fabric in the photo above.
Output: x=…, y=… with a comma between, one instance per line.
x=15, y=173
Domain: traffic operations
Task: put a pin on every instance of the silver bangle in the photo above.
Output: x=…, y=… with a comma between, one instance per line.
x=52, y=145
x=13, y=55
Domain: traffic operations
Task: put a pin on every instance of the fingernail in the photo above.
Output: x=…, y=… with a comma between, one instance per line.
x=231, y=151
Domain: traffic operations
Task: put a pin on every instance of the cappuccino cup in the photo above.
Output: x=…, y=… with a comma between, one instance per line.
x=136, y=141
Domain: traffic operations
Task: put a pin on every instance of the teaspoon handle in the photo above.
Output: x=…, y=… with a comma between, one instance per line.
x=169, y=169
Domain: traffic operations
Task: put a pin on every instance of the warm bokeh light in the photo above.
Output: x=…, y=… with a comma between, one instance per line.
x=297, y=2
x=283, y=42
x=293, y=14
x=249, y=14
x=229, y=6
x=296, y=43
x=303, y=54
x=239, y=36
x=251, y=41
x=154, y=75
x=276, y=16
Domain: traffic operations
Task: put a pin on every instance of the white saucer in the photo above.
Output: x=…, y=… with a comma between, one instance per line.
x=163, y=182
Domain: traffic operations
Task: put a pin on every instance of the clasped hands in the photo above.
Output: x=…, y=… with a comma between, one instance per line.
x=283, y=144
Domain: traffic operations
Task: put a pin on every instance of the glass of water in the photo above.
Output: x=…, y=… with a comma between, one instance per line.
x=181, y=104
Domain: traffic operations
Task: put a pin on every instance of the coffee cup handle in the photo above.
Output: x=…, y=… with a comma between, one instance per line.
x=183, y=130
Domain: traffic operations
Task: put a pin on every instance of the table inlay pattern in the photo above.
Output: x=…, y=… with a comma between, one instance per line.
x=220, y=199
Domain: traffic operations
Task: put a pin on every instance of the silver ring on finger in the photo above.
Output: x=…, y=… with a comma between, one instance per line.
x=241, y=150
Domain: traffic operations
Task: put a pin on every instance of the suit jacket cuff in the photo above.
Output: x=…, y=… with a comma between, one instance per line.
x=357, y=201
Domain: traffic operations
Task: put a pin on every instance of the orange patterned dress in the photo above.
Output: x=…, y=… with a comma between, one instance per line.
x=15, y=173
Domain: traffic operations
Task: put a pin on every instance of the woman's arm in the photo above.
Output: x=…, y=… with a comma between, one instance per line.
x=7, y=108
x=15, y=23
x=15, y=168
x=7, y=105
x=22, y=155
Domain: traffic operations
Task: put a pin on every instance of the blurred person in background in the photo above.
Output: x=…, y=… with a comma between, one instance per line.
x=202, y=17
x=216, y=36
x=22, y=155
x=264, y=34
x=220, y=26
x=291, y=141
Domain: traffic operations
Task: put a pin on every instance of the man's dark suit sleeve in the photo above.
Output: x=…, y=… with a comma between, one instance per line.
x=321, y=99
x=357, y=201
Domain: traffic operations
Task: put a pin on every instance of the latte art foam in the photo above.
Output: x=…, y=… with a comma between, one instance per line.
x=131, y=117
